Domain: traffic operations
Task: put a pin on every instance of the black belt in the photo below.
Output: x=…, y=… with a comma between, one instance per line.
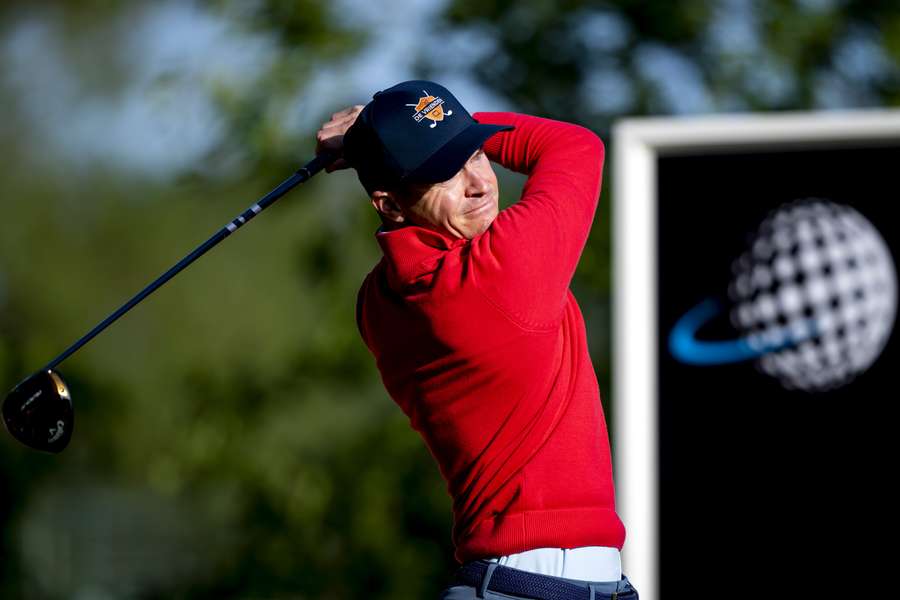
x=515, y=582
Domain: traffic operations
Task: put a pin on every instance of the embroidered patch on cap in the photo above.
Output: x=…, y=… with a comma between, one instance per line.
x=429, y=107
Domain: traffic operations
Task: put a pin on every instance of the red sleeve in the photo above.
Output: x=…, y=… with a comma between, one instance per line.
x=527, y=257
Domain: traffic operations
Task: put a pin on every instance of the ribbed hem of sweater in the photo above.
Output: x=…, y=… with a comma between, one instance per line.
x=518, y=532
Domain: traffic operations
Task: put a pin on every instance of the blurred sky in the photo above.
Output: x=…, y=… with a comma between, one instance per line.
x=160, y=117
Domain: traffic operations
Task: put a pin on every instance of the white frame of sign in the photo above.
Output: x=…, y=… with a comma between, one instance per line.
x=638, y=144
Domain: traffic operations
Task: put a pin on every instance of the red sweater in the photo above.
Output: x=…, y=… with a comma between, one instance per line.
x=483, y=346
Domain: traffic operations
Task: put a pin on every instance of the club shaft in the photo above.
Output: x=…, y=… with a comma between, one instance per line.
x=304, y=173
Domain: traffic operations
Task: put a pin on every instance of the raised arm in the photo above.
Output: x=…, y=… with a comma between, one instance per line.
x=526, y=260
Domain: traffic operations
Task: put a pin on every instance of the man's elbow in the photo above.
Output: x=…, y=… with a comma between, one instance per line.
x=597, y=148
x=589, y=144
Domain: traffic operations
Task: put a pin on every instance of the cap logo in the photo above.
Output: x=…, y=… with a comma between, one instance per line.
x=429, y=107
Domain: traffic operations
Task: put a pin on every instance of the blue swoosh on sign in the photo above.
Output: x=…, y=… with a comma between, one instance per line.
x=685, y=347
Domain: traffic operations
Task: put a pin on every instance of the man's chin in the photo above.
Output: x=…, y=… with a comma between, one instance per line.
x=481, y=225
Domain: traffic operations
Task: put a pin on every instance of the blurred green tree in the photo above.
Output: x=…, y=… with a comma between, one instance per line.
x=232, y=436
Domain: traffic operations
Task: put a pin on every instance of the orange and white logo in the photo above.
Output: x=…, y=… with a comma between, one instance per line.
x=429, y=107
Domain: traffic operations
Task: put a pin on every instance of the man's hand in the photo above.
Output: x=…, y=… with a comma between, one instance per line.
x=330, y=138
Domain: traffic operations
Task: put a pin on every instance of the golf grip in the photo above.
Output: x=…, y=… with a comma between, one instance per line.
x=301, y=175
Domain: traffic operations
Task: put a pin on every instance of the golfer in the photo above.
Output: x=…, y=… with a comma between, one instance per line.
x=478, y=338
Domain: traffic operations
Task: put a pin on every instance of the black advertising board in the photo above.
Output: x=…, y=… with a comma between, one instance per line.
x=760, y=459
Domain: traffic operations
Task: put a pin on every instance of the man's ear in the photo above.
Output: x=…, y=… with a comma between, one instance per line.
x=387, y=206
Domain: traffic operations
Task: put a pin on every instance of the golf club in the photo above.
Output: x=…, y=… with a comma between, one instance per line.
x=39, y=412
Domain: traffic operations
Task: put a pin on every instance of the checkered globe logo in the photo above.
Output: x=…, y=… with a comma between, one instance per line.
x=817, y=287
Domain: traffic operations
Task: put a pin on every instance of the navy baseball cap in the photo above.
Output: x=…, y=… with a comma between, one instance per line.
x=413, y=132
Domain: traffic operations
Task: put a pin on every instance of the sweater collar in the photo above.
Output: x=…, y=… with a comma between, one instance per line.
x=411, y=251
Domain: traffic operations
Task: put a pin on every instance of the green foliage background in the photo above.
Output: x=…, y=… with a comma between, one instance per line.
x=233, y=438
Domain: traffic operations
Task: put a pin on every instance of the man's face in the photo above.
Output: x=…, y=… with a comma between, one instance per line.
x=463, y=206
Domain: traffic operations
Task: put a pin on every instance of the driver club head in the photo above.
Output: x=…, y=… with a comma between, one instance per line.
x=39, y=413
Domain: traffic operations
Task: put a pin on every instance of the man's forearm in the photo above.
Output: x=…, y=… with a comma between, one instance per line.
x=536, y=138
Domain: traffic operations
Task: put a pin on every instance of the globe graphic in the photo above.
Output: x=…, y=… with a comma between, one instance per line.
x=815, y=294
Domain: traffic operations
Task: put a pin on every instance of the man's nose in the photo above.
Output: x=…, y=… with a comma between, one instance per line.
x=476, y=183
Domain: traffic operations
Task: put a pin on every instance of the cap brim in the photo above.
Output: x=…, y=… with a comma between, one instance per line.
x=450, y=158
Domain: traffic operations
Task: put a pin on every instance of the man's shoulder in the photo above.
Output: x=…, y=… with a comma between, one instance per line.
x=365, y=286
x=371, y=276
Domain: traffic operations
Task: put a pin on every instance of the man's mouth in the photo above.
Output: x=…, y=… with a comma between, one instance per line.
x=480, y=206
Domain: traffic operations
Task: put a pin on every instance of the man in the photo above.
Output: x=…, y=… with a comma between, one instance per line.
x=478, y=338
